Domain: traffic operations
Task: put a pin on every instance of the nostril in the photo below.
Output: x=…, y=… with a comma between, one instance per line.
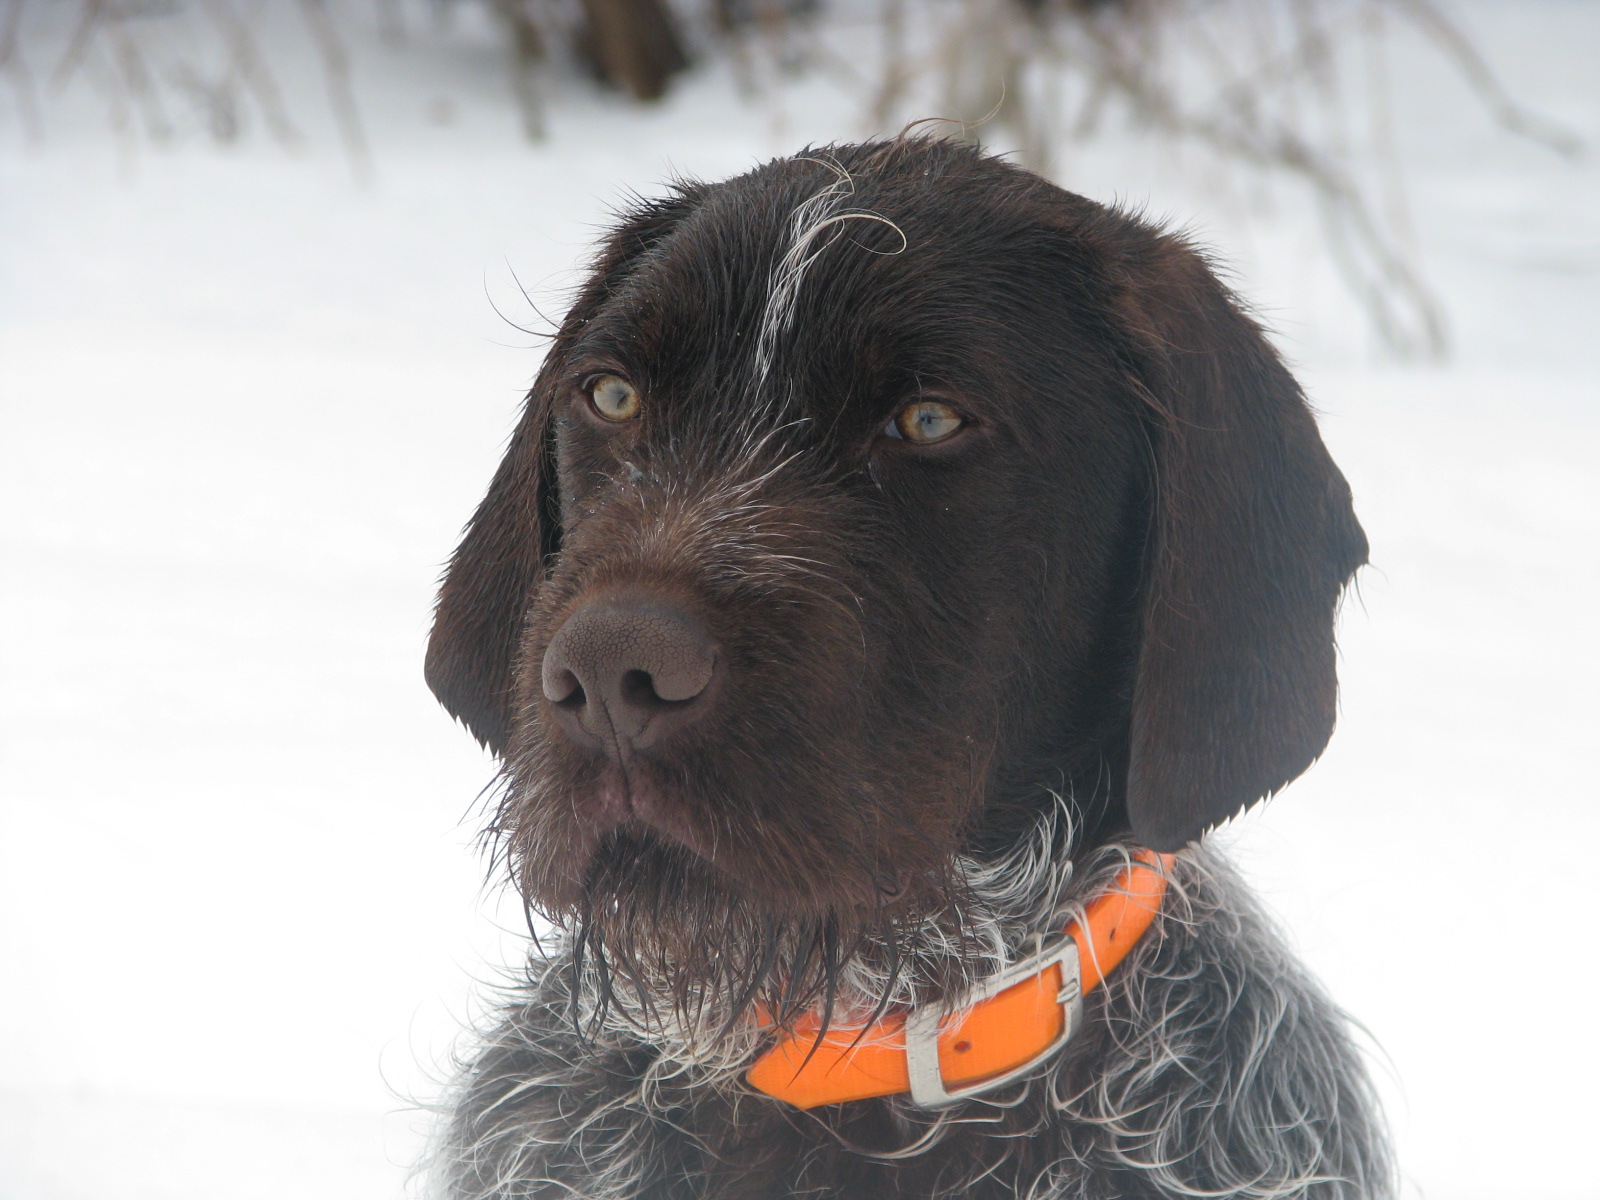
x=563, y=688
x=681, y=671
x=638, y=688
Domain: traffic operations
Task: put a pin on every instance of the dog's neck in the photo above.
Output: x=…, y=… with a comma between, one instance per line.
x=1006, y=904
x=996, y=1033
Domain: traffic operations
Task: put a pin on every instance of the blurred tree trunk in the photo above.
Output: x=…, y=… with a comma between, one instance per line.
x=636, y=44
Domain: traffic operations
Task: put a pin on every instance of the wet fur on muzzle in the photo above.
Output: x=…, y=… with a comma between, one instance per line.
x=952, y=686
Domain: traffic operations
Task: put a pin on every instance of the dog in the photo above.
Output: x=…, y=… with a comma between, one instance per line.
x=900, y=565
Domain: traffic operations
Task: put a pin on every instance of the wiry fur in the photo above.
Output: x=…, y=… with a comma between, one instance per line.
x=814, y=223
x=958, y=686
x=1209, y=1066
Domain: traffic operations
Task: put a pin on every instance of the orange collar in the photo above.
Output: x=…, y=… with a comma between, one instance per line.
x=984, y=1038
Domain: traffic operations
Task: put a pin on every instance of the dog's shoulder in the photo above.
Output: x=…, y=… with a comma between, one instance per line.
x=537, y=1102
x=562, y=1105
x=1218, y=1065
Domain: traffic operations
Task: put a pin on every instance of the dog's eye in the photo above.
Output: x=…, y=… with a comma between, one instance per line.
x=925, y=422
x=614, y=398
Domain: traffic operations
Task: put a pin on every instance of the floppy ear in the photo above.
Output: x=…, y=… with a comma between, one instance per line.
x=1252, y=539
x=516, y=530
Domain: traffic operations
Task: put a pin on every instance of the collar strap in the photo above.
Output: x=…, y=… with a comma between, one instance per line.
x=984, y=1037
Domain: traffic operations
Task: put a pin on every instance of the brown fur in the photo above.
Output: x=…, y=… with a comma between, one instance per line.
x=1115, y=586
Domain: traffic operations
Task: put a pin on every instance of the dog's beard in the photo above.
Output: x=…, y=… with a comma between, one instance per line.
x=770, y=883
x=660, y=943
x=665, y=944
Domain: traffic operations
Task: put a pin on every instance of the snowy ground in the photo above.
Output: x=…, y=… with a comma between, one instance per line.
x=247, y=402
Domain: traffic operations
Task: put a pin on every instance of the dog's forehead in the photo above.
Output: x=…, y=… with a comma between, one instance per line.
x=810, y=269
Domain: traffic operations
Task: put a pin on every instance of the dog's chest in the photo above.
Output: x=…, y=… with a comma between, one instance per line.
x=1208, y=1065
x=610, y=1125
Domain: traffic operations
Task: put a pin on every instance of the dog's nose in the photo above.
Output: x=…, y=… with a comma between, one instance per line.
x=629, y=672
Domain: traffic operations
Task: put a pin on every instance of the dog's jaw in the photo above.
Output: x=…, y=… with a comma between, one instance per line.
x=631, y=796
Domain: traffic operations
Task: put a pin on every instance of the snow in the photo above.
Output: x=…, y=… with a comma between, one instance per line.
x=247, y=400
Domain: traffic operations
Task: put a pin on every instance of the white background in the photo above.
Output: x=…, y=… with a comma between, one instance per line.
x=246, y=403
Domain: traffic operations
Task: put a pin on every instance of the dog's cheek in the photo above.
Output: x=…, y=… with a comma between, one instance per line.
x=845, y=802
x=548, y=839
x=824, y=789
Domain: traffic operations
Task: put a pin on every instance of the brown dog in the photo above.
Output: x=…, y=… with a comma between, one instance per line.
x=893, y=545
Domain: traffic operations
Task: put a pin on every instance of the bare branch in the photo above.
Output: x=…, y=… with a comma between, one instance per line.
x=78, y=44
x=136, y=77
x=341, y=98
x=12, y=62
x=527, y=52
x=1472, y=65
x=252, y=69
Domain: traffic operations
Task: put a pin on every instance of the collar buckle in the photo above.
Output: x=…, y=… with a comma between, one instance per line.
x=924, y=1024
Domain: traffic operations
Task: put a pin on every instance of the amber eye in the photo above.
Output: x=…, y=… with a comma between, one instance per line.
x=925, y=422
x=614, y=398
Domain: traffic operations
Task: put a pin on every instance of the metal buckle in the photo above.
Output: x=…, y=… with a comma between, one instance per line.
x=923, y=1024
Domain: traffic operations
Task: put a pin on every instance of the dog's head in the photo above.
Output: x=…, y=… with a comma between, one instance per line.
x=864, y=502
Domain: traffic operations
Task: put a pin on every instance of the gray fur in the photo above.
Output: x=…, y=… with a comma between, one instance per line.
x=813, y=226
x=1210, y=1066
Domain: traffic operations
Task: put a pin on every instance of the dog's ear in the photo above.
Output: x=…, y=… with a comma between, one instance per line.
x=516, y=530
x=1252, y=539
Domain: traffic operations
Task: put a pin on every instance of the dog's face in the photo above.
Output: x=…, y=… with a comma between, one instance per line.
x=863, y=501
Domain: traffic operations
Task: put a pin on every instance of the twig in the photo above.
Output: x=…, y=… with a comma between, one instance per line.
x=252, y=69
x=78, y=44
x=11, y=61
x=527, y=51
x=141, y=86
x=1472, y=65
x=336, y=69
